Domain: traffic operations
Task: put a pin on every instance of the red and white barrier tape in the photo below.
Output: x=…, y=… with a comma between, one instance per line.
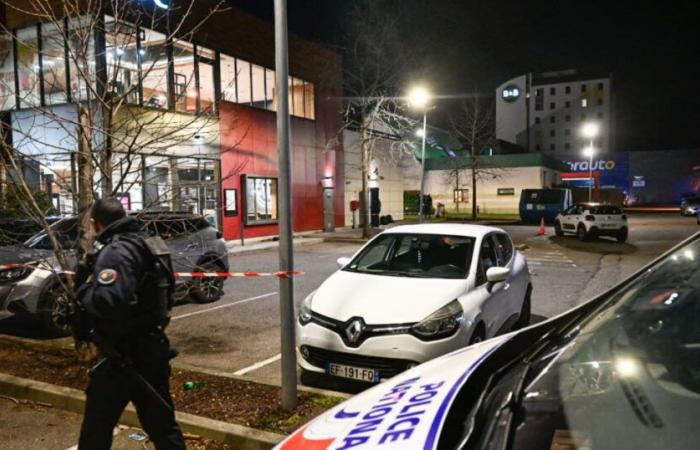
x=187, y=274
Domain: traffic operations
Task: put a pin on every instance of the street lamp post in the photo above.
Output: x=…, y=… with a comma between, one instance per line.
x=590, y=130
x=418, y=98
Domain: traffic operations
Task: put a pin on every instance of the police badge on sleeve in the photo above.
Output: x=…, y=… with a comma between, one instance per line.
x=107, y=277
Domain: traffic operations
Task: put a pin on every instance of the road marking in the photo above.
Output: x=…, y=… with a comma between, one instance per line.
x=202, y=311
x=258, y=365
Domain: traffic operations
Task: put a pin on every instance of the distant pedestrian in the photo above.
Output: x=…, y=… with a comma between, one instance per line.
x=124, y=294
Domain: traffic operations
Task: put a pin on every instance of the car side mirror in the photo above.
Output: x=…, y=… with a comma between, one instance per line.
x=497, y=274
x=343, y=261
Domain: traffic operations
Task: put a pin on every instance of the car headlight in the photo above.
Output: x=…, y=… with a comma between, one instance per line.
x=15, y=274
x=305, y=310
x=443, y=322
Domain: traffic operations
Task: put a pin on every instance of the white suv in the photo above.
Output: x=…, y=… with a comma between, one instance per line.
x=588, y=220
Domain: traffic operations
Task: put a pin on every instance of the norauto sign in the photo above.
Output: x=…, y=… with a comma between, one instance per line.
x=582, y=166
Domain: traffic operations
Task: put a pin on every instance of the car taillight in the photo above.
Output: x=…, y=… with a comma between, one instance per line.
x=590, y=218
x=624, y=217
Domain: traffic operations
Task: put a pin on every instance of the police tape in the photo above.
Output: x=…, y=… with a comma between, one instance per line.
x=281, y=274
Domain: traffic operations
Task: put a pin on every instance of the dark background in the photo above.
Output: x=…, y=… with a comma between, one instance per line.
x=465, y=46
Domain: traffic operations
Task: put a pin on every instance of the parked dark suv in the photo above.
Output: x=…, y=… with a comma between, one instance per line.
x=37, y=291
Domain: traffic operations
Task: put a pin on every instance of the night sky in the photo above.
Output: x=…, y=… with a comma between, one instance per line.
x=653, y=53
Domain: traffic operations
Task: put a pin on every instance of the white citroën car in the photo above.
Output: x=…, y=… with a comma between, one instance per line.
x=413, y=293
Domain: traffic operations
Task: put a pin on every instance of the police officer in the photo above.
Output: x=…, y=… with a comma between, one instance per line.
x=122, y=305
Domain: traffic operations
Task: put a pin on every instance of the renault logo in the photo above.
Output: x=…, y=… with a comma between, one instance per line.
x=354, y=330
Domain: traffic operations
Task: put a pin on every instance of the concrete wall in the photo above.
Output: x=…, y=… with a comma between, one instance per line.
x=392, y=170
x=440, y=185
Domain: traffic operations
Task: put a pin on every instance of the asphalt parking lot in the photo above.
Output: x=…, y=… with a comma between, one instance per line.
x=239, y=334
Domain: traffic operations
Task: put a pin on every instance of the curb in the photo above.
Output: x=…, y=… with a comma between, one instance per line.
x=266, y=245
x=74, y=400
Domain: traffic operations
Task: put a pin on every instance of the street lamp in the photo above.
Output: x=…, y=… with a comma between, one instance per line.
x=590, y=131
x=418, y=98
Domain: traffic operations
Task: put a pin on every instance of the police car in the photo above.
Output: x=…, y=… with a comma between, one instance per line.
x=588, y=220
x=620, y=371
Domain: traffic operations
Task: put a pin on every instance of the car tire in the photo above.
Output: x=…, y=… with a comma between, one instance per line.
x=207, y=289
x=479, y=334
x=557, y=229
x=54, y=308
x=581, y=233
x=622, y=235
x=525, y=311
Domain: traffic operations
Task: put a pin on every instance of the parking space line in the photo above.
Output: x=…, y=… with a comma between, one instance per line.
x=258, y=365
x=202, y=311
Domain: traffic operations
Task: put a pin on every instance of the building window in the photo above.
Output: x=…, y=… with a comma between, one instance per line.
x=568, y=90
x=309, y=101
x=539, y=99
x=261, y=199
x=551, y=147
x=154, y=67
x=600, y=101
x=567, y=118
x=81, y=57
x=7, y=73
x=552, y=105
x=184, y=84
x=583, y=88
x=258, y=79
x=568, y=104
x=552, y=133
x=53, y=64
x=600, y=114
x=584, y=103
x=538, y=147
x=552, y=91
x=298, y=97
x=461, y=195
x=567, y=146
x=227, y=66
x=567, y=132
x=583, y=116
x=121, y=55
x=243, y=89
x=537, y=120
x=552, y=119
x=205, y=79
x=28, y=66
x=600, y=86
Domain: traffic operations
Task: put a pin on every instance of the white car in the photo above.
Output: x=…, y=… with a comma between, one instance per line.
x=620, y=371
x=411, y=294
x=587, y=220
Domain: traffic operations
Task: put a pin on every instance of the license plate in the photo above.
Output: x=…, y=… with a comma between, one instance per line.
x=354, y=373
x=605, y=225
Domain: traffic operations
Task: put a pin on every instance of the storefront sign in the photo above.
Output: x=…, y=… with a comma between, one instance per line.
x=231, y=205
x=613, y=168
x=506, y=191
x=511, y=93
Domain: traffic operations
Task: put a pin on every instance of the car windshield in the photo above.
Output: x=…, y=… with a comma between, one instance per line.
x=419, y=255
x=66, y=232
x=628, y=376
x=605, y=209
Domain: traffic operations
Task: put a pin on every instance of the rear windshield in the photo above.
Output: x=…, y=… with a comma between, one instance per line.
x=605, y=209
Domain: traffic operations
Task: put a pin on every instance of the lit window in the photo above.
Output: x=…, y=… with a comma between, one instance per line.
x=309, y=101
x=154, y=68
x=81, y=57
x=258, y=77
x=461, y=195
x=184, y=84
x=270, y=100
x=28, y=66
x=298, y=97
x=228, y=78
x=122, y=59
x=7, y=73
x=261, y=199
x=584, y=103
x=243, y=82
x=53, y=63
x=205, y=66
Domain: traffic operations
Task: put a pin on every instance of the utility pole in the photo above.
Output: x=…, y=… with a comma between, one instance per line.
x=286, y=253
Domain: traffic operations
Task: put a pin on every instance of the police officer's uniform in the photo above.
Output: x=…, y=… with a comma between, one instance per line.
x=122, y=303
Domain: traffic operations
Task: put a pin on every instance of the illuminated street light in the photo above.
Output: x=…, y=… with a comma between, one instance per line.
x=418, y=98
x=590, y=130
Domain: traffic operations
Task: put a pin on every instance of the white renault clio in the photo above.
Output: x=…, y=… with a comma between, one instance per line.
x=411, y=294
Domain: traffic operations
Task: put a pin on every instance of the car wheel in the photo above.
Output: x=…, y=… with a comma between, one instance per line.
x=581, y=233
x=622, y=235
x=557, y=229
x=207, y=289
x=54, y=308
x=479, y=335
x=525, y=311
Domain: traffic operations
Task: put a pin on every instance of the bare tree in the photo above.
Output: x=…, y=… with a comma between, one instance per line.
x=376, y=64
x=94, y=102
x=474, y=125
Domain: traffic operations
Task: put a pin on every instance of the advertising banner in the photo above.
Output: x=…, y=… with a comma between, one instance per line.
x=612, y=167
